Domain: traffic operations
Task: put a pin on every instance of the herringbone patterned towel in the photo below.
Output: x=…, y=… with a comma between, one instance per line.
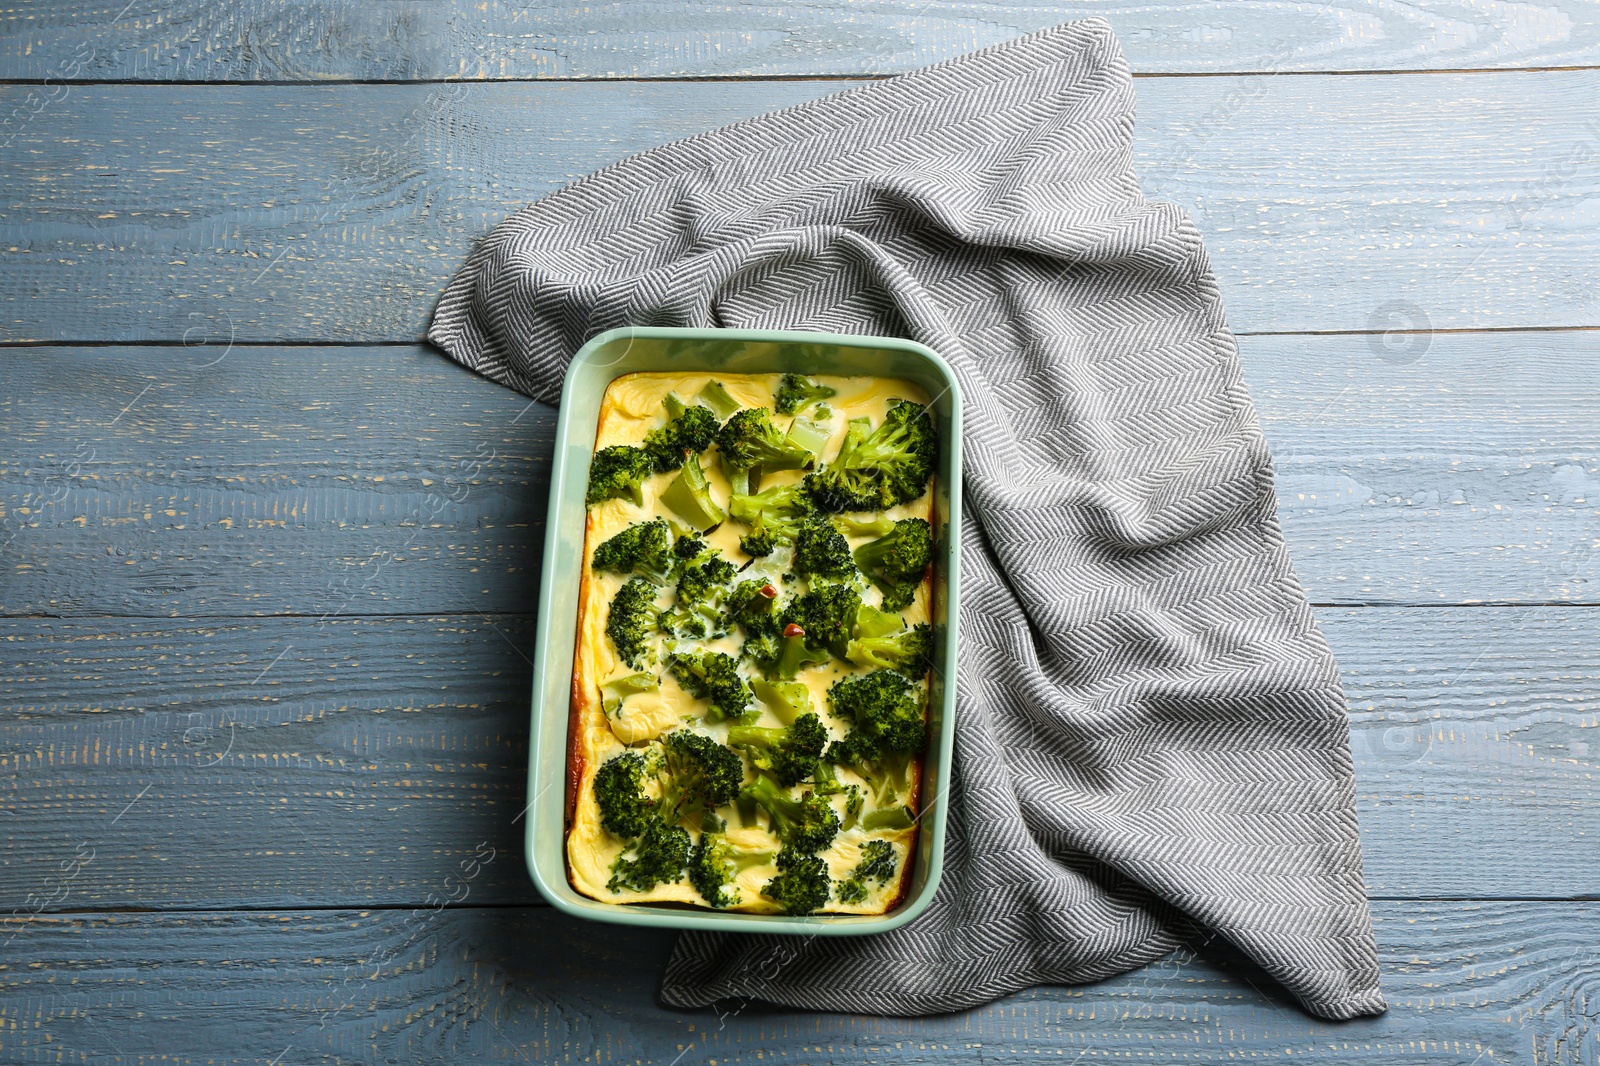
x=1151, y=733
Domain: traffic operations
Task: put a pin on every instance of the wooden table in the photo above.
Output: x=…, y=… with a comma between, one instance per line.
x=269, y=561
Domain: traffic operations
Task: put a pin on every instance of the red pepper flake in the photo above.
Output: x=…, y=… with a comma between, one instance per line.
x=792, y=630
x=769, y=591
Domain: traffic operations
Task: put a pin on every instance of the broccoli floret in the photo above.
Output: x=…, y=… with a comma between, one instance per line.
x=883, y=706
x=616, y=472
x=878, y=864
x=887, y=773
x=700, y=611
x=688, y=549
x=713, y=676
x=794, y=392
x=619, y=793
x=808, y=823
x=788, y=753
x=887, y=728
x=774, y=515
x=819, y=548
x=827, y=614
x=748, y=811
x=802, y=884
x=689, y=496
x=632, y=621
x=754, y=605
x=854, y=800
x=749, y=441
x=897, y=562
x=888, y=466
x=764, y=650
x=758, y=544
x=908, y=650
x=773, y=640
x=642, y=548
x=698, y=775
x=714, y=865
x=688, y=430
x=787, y=699
x=659, y=855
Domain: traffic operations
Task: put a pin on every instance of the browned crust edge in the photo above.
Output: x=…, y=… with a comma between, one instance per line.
x=576, y=712
x=904, y=888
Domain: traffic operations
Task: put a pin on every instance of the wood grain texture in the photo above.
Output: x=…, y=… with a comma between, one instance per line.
x=1451, y=468
x=287, y=761
x=254, y=40
x=209, y=481
x=1466, y=983
x=203, y=481
x=364, y=746
x=295, y=761
x=337, y=213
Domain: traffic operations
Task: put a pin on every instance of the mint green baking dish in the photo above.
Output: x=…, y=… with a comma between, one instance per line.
x=623, y=351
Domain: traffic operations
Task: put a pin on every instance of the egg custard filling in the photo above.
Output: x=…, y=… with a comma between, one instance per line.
x=750, y=690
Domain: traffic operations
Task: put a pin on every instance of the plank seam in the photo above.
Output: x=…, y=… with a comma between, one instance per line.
x=220, y=619
x=422, y=342
x=665, y=79
x=541, y=905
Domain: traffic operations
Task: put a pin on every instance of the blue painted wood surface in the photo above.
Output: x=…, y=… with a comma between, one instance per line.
x=336, y=213
x=1467, y=983
x=264, y=40
x=264, y=609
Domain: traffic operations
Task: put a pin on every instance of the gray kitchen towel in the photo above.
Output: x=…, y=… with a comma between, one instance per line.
x=1151, y=734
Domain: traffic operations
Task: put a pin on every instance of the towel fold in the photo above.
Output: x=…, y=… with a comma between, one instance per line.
x=1151, y=734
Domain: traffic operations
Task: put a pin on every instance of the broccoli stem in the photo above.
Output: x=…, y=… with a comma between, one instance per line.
x=889, y=818
x=633, y=684
x=783, y=810
x=877, y=525
x=787, y=699
x=797, y=654
x=888, y=775
x=755, y=736
x=741, y=480
x=748, y=810
x=716, y=397
x=872, y=622
x=808, y=434
x=689, y=496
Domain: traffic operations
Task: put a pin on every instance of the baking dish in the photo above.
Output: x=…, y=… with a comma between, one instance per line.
x=624, y=351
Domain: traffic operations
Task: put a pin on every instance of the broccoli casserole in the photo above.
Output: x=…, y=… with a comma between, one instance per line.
x=749, y=693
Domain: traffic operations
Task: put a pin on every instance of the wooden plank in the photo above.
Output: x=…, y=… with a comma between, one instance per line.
x=283, y=762
x=328, y=213
x=208, y=481
x=1466, y=983
x=291, y=761
x=343, y=39
x=1465, y=469
x=390, y=481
